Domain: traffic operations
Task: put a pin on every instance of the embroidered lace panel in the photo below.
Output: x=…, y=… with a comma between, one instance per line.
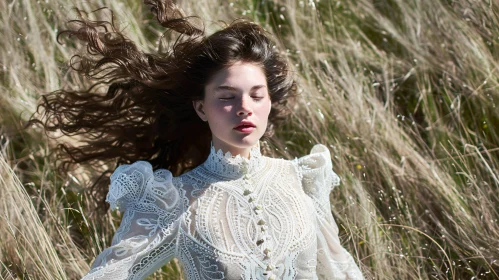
x=229, y=218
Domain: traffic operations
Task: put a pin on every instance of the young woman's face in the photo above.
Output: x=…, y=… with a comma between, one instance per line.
x=236, y=106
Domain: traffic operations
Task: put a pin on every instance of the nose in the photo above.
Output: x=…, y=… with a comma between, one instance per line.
x=245, y=107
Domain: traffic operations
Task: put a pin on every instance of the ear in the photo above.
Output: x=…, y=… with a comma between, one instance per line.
x=199, y=108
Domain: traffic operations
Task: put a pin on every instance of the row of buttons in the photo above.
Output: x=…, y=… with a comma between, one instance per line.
x=258, y=210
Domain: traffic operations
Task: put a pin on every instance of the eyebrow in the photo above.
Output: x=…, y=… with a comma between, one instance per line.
x=231, y=88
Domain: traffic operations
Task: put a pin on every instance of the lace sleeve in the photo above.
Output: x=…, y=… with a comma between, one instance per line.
x=318, y=179
x=146, y=238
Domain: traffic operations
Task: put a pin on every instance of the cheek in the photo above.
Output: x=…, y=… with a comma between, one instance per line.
x=218, y=112
x=267, y=108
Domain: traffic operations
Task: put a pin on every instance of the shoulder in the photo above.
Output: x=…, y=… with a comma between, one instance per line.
x=140, y=170
x=319, y=157
x=316, y=171
x=138, y=182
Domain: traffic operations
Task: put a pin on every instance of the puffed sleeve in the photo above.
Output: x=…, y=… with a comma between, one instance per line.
x=318, y=179
x=146, y=238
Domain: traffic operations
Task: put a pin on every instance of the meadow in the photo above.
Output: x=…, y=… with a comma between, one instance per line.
x=403, y=92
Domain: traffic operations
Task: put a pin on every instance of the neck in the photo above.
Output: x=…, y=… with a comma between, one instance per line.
x=227, y=165
x=243, y=152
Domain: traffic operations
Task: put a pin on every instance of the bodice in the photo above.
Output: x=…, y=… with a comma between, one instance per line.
x=252, y=214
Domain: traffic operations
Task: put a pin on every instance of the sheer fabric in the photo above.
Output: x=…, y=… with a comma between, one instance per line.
x=229, y=218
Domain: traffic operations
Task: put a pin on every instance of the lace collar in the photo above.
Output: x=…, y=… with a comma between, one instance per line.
x=232, y=167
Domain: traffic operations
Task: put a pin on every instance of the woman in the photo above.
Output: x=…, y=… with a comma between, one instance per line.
x=232, y=213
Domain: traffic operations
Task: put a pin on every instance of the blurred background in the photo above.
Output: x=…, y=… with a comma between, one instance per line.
x=403, y=92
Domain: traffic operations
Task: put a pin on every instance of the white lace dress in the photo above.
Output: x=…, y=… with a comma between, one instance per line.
x=229, y=218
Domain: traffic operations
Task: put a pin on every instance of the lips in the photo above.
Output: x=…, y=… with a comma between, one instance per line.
x=245, y=126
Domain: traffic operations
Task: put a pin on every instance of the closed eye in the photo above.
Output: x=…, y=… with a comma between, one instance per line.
x=226, y=98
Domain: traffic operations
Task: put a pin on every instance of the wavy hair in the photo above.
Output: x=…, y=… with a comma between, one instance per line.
x=146, y=111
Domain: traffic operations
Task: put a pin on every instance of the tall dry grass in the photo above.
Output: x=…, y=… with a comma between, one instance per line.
x=403, y=92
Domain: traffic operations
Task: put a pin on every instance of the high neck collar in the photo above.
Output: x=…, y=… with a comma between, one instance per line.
x=233, y=167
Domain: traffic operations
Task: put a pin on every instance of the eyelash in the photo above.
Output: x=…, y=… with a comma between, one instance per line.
x=229, y=98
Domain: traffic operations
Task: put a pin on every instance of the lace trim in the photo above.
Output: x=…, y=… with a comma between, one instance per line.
x=232, y=167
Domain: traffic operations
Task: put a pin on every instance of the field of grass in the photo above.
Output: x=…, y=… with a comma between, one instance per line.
x=403, y=92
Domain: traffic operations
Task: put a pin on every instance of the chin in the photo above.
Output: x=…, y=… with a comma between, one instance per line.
x=247, y=142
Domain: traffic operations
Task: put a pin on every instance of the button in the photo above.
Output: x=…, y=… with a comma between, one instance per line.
x=268, y=275
x=247, y=192
x=261, y=223
x=244, y=167
x=268, y=253
x=268, y=256
x=259, y=242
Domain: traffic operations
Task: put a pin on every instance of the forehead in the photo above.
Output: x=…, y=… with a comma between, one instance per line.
x=239, y=74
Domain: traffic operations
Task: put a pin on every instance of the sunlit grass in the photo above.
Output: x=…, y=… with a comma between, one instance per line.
x=403, y=93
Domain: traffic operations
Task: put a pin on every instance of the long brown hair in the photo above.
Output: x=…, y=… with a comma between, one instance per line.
x=146, y=112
